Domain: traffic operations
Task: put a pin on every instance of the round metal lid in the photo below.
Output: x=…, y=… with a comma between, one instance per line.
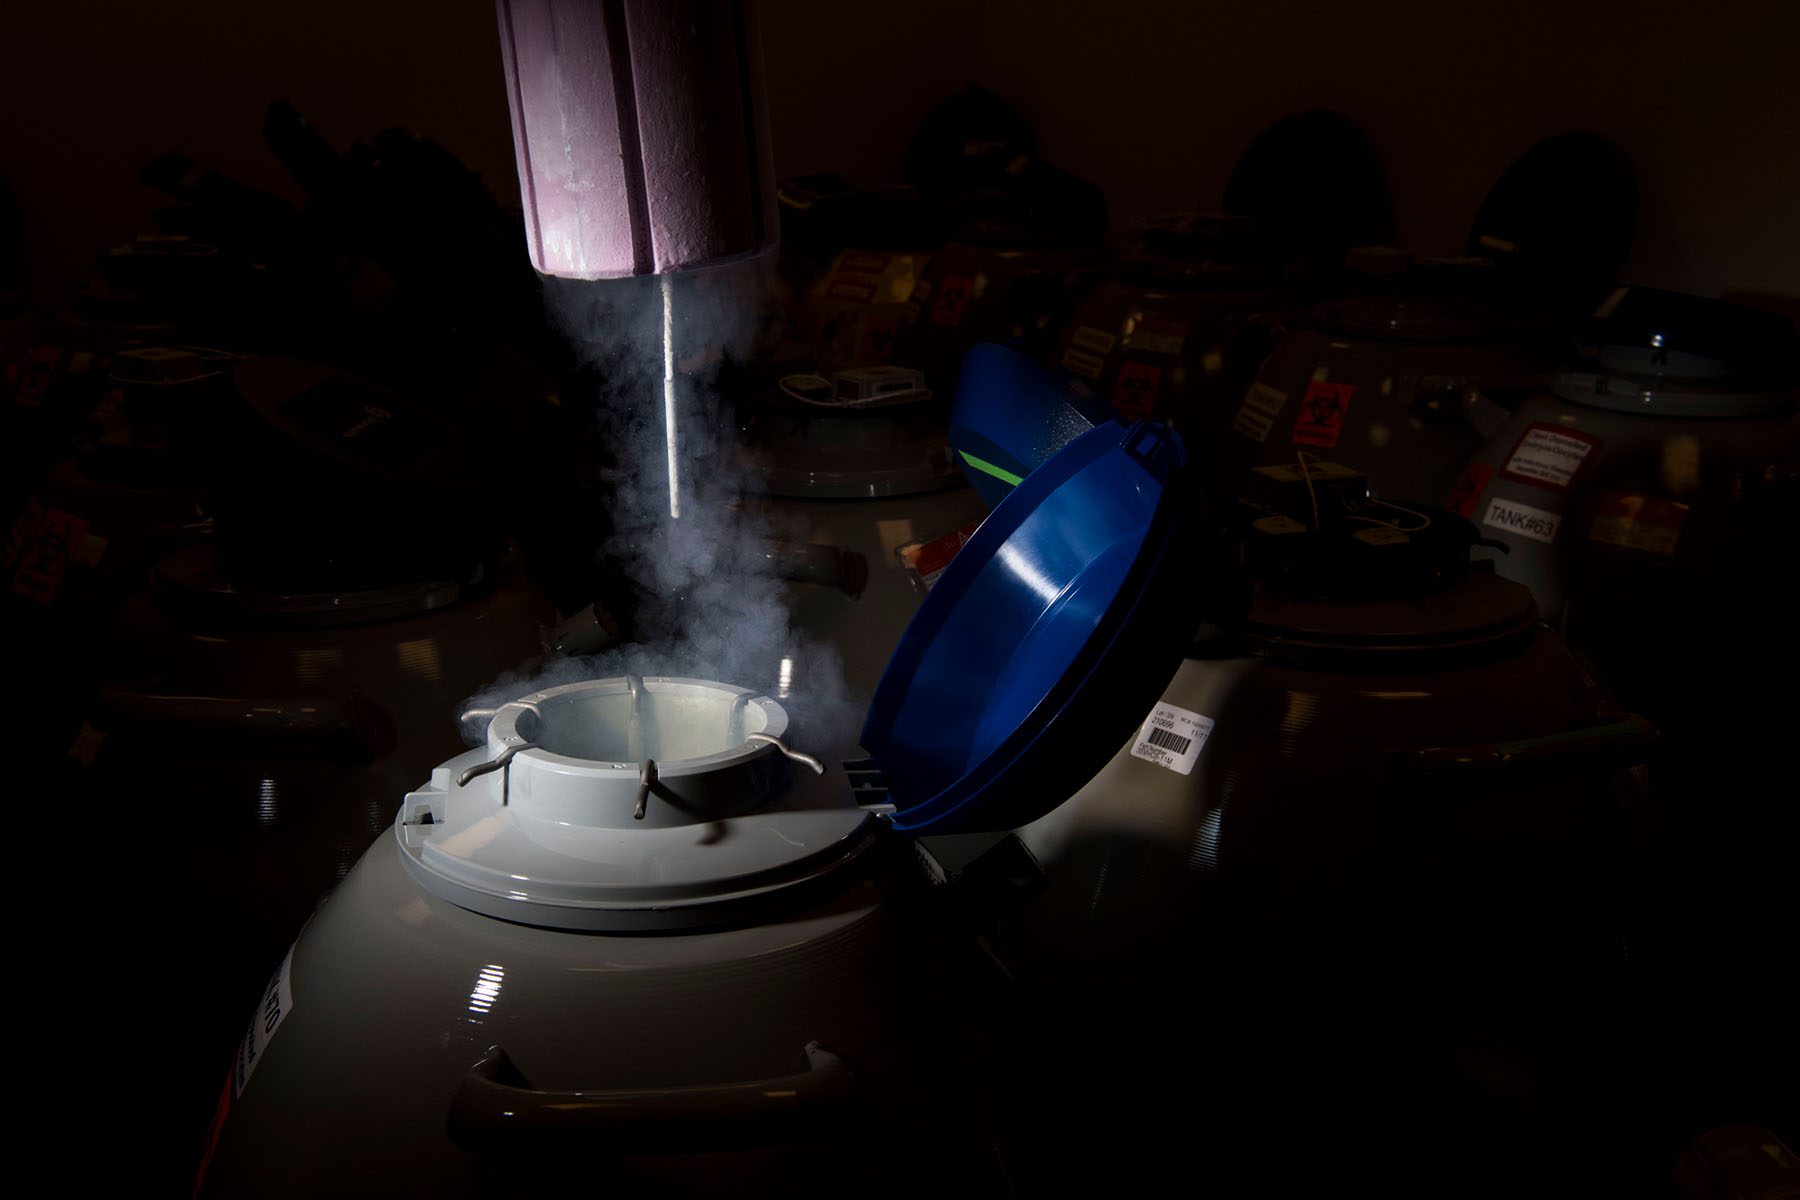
x=1479, y=611
x=628, y=804
x=198, y=581
x=1618, y=391
x=819, y=452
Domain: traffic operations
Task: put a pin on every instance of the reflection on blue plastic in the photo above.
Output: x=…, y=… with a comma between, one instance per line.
x=1011, y=415
x=1011, y=633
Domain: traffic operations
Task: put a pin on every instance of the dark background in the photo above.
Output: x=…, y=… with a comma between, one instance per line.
x=1153, y=101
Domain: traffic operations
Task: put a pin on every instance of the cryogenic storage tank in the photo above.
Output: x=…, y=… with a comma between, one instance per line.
x=1646, y=455
x=623, y=928
x=1397, y=383
x=626, y=941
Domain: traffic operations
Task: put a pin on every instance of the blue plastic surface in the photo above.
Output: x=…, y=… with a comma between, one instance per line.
x=1044, y=642
x=1011, y=416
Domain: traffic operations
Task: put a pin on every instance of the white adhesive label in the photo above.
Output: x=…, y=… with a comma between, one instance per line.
x=1158, y=343
x=1086, y=365
x=1256, y=416
x=1172, y=737
x=1089, y=338
x=277, y=1002
x=1522, y=519
x=1548, y=456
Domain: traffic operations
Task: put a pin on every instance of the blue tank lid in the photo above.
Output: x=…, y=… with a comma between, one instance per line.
x=1046, y=639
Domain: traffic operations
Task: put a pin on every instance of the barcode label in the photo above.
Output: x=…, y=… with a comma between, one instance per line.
x=1169, y=741
x=1172, y=738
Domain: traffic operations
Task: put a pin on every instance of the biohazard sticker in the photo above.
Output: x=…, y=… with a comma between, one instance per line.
x=1533, y=524
x=1322, y=411
x=1549, y=456
x=952, y=300
x=1466, y=493
x=1172, y=737
x=46, y=559
x=1134, y=395
x=881, y=328
x=277, y=1003
x=1644, y=523
x=35, y=375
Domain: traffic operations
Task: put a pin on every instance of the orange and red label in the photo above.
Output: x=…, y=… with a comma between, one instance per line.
x=1134, y=395
x=1322, y=413
x=952, y=300
x=1466, y=493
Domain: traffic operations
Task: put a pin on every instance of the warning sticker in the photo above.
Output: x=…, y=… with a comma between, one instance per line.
x=952, y=300
x=1172, y=737
x=1549, y=456
x=863, y=263
x=1522, y=519
x=1135, y=394
x=1086, y=365
x=1322, y=411
x=927, y=560
x=1256, y=416
x=861, y=290
x=277, y=1002
x=880, y=330
x=34, y=377
x=41, y=568
x=1466, y=493
x=1638, y=522
x=1097, y=340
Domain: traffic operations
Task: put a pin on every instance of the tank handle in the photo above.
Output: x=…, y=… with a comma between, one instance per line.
x=349, y=723
x=496, y=1111
x=1627, y=741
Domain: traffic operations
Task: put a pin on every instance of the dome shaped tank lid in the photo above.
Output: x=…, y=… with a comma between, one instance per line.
x=1276, y=183
x=1560, y=221
x=1669, y=354
x=629, y=804
x=862, y=434
x=1403, y=297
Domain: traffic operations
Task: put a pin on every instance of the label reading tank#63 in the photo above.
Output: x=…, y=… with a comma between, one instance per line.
x=277, y=1002
x=1172, y=738
x=1522, y=519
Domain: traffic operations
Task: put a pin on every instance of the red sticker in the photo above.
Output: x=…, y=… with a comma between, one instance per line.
x=928, y=559
x=41, y=569
x=34, y=377
x=1135, y=394
x=952, y=300
x=1466, y=493
x=213, y=1130
x=1322, y=413
x=880, y=328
